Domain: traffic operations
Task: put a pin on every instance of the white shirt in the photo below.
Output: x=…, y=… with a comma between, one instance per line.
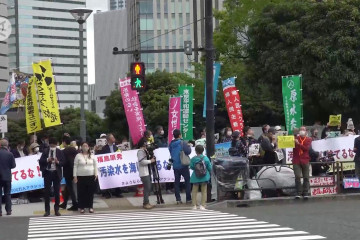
x=85, y=166
x=53, y=165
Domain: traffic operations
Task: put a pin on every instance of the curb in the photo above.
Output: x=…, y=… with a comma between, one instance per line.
x=281, y=200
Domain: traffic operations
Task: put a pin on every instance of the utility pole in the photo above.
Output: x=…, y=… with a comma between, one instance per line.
x=195, y=20
x=209, y=49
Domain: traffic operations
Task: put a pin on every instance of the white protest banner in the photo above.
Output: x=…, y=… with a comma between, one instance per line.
x=322, y=181
x=254, y=149
x=3, y=124
x=120, y=169
x=342, y=147
x=26, y=176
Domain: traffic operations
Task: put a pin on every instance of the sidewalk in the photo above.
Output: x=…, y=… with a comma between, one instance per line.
x=102, y=205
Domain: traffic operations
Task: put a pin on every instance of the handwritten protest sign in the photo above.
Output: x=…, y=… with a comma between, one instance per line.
x=286, y=142
x=334, y=120
x=322, y=186
x=254, y=149
x=351, y=183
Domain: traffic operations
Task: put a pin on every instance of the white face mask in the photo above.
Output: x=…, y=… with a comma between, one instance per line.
x=229, y=133
x=302, y=133
x=85, y=149
x=36, y=149
x=162, y=132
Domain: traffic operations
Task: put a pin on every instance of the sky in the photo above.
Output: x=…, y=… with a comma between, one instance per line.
x=95, y=5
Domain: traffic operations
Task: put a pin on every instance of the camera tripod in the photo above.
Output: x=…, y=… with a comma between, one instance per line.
x=156, y=179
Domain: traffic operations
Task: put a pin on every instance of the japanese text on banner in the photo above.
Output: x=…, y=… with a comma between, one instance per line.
x=292, y=98
x=26, y=176
x=121, y=169
x=47, y=93
x=32, y=115
x=174, y=116
x=187, y=95
x=233, y=105
x=133, y=110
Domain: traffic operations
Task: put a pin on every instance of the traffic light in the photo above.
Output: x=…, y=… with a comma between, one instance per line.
x=137, y=71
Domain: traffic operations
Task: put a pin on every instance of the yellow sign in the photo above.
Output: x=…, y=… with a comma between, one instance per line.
x=286, y=141
x=335, y=120
x=32, y=115
x=45, y=84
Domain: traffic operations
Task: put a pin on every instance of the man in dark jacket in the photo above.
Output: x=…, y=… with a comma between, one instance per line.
x=268, y=145
x=51, y=161
x=69, y=153
x=20, y=150
x=176, y=146
x=159, y=137
x=7, y=162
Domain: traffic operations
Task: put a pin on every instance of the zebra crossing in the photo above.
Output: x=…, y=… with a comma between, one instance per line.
x=174, y=225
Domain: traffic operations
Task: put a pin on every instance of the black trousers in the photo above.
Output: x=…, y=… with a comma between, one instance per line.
x=7, y=189
x=70, y=192
x=52, y=178
x=86, y=188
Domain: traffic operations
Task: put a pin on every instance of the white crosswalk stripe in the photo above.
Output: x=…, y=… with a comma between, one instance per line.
x=174, y=225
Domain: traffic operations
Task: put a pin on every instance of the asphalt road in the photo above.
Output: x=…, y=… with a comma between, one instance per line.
x=331, y=219
x=335, y=220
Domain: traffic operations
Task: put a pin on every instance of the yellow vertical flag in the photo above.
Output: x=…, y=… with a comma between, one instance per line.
x=32, y=115
x=47, y=93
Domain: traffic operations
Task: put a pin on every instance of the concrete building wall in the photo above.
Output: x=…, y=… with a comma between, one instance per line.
x=110, y=30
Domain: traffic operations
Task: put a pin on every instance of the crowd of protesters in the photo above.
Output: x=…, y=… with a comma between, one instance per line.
x=75, y=162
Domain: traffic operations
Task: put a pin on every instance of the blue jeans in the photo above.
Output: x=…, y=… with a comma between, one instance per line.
x=186, y=174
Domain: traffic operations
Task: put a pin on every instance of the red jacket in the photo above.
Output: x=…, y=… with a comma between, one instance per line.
x=301, y=151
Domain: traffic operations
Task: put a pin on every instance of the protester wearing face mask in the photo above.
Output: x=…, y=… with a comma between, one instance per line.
x=301, y=160
x=51, y=162
x=34, y=149
x=227, y=135
x=20, y=150
x=85, y=175
x=159, y=137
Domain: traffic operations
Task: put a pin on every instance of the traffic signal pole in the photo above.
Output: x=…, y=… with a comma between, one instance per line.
x=209, y=49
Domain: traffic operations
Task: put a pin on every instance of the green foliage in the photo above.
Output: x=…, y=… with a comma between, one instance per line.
x=155, y=102
x=70, y=118
x=318, y=40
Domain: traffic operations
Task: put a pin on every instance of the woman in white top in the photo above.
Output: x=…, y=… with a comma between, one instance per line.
x=85, y=175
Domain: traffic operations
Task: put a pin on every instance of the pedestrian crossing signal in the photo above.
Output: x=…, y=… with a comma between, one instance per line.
x=137, y=70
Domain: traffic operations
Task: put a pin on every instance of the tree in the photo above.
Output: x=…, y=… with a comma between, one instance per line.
x=154, y=101
x=70, y=118
x=318, y=40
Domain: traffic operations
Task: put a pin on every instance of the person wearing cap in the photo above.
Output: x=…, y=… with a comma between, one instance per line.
x=268, y=145
x=237, y=148
x=34, y=149
x=277, y=129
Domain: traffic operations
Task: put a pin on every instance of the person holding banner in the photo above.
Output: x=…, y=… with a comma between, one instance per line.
x=51, y=162
x=7, y=162
x=85, y=175
x=301, y=160
x=144, y=167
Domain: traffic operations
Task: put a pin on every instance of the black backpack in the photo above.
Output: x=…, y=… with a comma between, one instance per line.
x=200, y=168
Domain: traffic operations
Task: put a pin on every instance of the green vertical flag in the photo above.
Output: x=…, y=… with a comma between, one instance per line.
x=187, y=95
x=292, y=98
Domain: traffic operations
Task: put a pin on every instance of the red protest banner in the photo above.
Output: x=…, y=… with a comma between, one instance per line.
x=233, y=105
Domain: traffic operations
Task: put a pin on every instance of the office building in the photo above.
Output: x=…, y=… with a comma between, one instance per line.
x=110, y=30
x=117, y=4
x=4, y=61
x=162, y=24
x=45, y=29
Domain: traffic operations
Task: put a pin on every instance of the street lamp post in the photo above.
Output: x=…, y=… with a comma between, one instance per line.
x=80, y=15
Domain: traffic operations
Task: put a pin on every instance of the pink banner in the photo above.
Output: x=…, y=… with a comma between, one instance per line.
x=133, y=111
x=174, y=116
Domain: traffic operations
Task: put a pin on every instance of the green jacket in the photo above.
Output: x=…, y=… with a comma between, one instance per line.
x=206, y=178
